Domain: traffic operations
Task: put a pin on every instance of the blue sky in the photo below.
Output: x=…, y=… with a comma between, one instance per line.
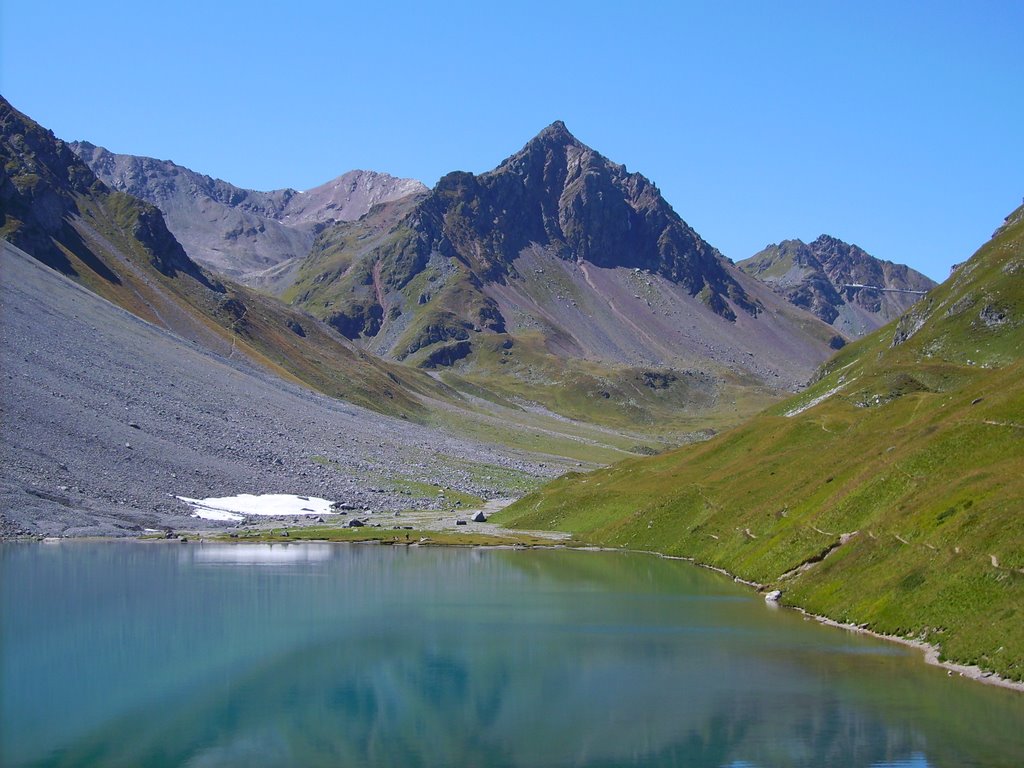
x=893, y=125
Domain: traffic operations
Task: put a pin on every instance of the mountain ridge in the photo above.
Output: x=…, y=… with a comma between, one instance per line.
x=837, y=282
x=242, y=232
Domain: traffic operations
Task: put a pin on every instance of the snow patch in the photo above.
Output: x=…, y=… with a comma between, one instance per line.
x=236, y=508
x=814, y=401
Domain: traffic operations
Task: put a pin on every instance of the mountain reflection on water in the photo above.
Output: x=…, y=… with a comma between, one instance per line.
x=276, y=655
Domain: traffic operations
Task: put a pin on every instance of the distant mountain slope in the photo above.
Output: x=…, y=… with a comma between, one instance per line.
x=887, y=495
x=241, y=232
x=819, y=277
x=557, y=255
x=54, y=208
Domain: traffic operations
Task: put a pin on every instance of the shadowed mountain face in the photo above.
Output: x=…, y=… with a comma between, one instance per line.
x=558, y=251
x=559, y=194
x=821, y=278
x=42, y=188
x=242, y=232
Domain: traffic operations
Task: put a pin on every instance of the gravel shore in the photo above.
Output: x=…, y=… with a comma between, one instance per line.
x=105, y=419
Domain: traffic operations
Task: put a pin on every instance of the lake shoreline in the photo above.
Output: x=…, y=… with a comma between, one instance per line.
x=930, y=651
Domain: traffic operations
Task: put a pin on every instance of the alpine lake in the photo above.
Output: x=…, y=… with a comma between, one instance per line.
x=202, y=654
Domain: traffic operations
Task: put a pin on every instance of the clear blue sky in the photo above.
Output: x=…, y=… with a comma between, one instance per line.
x=897, y=126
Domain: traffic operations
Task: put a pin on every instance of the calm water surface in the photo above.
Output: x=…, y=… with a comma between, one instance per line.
x=134, y=654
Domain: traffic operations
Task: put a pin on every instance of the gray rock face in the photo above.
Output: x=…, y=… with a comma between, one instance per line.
x=820, y=276
x=242, y=232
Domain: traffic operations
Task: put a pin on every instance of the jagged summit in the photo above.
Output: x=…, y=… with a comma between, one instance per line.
x=823, y=241
x=822, y=276
x=557, y=133
x=552, y=142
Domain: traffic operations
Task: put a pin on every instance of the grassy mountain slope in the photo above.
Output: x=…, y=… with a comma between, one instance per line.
x=887, y=494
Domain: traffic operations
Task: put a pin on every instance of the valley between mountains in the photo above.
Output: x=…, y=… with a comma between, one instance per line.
x=810, y=418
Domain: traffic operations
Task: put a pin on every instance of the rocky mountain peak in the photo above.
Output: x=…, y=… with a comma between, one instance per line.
x=557, y=133
x=553, y=144
x=823, y=242
x=560, y=195
x=828, y=249
x=464, y=260
x=346, y=197
x=823, y=277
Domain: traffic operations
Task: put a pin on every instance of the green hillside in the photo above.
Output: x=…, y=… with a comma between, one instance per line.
x=889, y=493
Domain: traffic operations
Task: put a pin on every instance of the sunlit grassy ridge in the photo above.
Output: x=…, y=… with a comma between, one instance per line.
x=904, y=463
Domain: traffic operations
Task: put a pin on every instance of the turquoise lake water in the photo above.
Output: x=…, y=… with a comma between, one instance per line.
x=158, y=654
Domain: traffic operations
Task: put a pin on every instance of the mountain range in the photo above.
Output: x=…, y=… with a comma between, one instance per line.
x=133, y=375
x=558, y=279
x=559, y=268
x=558, y=259
x=569, y=202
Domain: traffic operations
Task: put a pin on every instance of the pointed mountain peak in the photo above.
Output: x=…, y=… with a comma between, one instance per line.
x=555, y=138
x=556, y=133
x=824, y=241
